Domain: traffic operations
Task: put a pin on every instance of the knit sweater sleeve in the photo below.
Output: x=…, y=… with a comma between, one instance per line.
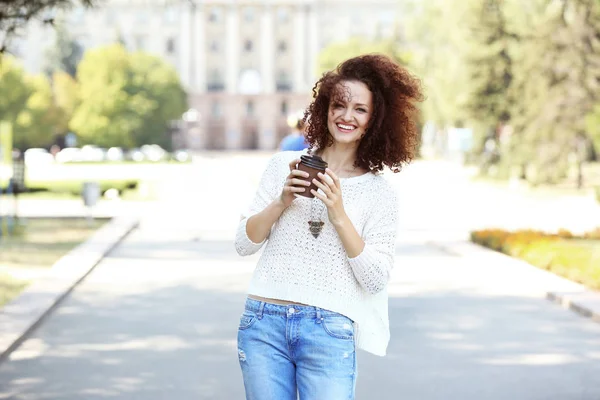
x=268, y=189
x=373, y=265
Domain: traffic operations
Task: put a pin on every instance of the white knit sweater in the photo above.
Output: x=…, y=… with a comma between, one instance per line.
x=298, y=267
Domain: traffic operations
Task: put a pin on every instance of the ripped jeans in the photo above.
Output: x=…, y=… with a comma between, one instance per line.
x=291, y=351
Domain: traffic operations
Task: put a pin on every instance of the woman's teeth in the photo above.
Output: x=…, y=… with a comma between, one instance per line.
x=345, y=127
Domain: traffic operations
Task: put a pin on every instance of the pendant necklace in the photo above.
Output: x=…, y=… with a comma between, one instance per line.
x=315, y=226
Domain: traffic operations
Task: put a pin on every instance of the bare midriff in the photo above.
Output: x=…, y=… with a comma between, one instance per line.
x=274, y=301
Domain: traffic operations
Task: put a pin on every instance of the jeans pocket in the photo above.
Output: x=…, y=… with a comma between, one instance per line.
x=246, y=320
x=339, y=327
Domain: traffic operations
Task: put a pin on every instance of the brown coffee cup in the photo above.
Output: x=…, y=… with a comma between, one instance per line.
x=312, y=164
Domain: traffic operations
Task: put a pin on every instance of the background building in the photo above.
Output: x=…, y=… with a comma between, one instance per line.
x=245, y=64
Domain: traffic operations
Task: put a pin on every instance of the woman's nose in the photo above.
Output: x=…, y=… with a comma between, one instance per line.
x=347, y=115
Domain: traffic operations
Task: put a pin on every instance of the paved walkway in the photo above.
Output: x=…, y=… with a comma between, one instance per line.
x=157, y=319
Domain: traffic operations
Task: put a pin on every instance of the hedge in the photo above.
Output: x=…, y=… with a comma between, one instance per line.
x=574, y=257
x=75, y=187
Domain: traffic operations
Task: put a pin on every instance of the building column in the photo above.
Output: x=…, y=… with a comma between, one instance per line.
x=267, y=49
x=299, y=49
x=268, y=108
x=233, y=110
x=184, y=47
x=232, y=49
x=200, y=50
x=313, y=44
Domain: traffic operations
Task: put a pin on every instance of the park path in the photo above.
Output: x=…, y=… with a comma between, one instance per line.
x=157, y=318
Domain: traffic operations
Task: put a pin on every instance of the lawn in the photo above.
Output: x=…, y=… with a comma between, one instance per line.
x=33, y=245
x=65, y=181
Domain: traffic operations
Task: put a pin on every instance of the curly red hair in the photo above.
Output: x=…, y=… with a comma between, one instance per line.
x=391, y=137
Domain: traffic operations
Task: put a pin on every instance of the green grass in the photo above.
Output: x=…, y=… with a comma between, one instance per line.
x=38, y=243
x=10, y=287
x=76, y=186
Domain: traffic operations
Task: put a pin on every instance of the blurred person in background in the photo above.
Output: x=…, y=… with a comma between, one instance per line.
x=296, y=140
x=317, y=294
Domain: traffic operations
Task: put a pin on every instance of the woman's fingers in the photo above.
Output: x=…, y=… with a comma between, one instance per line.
x=301, y=182
x=325, y=188
x=297, y=172
x=294, y=189
x=294, y=163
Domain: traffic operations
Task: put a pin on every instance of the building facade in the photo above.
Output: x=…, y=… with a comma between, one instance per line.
x=246, y=65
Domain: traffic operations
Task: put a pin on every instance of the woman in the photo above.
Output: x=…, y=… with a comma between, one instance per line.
x=312, y=300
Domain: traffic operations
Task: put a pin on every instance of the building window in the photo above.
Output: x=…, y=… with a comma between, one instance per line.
x=78, y=15
x=170, y=46
x=110, y=17
x=249, y=14
x=214, y=46
x=215, y=81
x=142, y=17
x=216, y=110
x=282, y=47
x=284, y=108
x=250, y=108
x=283, y=15
x=214, y=15
x=170, y=15
x=283, y=82
x=140, y=42
x=248, y=45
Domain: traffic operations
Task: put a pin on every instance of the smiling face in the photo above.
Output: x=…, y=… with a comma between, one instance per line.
x=349, y=112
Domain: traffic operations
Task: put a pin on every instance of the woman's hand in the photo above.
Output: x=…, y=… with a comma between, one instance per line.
x=293, y=184
x=332, y=196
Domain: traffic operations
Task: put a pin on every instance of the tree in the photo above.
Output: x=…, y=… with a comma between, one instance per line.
x=65, y=91
x=16, y=14
x=66, y=53
x=334, y=54
x=437, y=34
x=159, y=83
x=35, y=123
x=488, y=63
x=13, y=87
x=126, y=99
x=557, y=84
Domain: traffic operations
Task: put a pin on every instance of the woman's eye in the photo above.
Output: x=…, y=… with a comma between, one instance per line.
x=362, y=110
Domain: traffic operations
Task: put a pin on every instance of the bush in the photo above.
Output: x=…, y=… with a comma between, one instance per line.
x=565, y=254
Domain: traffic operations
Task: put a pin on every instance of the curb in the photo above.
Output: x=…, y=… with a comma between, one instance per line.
x=23, y=314
x=566, y=293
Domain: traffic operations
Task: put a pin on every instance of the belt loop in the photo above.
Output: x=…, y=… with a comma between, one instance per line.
x=260, y=309
x=319, y=318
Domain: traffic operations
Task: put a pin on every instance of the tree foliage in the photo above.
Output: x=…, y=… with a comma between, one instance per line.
x=13, y=88
x=534, y=65
x=65, y=54
x=16, y=14
x=334, y=54
x=126, y=99
x=35, y=124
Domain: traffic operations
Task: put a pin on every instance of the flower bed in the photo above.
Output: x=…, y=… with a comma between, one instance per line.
x=574, y=257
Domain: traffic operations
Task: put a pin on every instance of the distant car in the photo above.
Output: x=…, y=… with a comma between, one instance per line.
x=135, y=154
x=69, y=154
x=115, y=154
x=38, y=156
x=92, y=153
x=153, y=152
x=182, y=155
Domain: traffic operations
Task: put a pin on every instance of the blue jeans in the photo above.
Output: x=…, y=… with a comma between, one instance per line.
x=286, y=351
